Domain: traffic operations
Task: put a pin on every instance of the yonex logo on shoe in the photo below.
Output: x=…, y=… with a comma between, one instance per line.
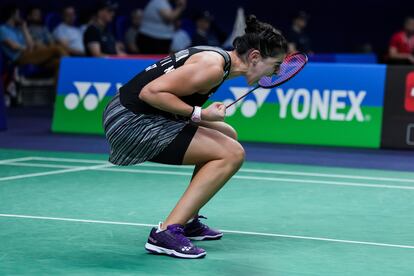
x=185, y=248
x=84, y=93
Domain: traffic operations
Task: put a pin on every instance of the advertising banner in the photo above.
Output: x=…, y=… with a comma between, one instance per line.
x=326, y=104
x=398, y=121
x=84, y=88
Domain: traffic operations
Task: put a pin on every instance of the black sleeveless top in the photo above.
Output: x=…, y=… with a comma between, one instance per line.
x=129, y=92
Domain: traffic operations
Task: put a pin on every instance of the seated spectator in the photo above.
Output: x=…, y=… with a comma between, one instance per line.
x=18, y=46
x=401, y=49
x=68, y=35
x=157, y=28
x=296, y=36
x=203, y=34
x=181, y=39
x=98, y=40
x=39, y=32
x=132, y=32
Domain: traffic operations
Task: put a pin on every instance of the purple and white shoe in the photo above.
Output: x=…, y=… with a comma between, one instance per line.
x=195, y=230
x=172, y=242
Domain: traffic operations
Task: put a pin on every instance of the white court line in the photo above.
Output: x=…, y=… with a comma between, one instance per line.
x=112, y=168
x=244, y=170
x=225, y=231
x=76, y=169
x=336, y=183
x=5, y=161
x=40, y=165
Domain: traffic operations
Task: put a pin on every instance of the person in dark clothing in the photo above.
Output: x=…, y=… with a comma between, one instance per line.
x=98, y=40
x=296, y=36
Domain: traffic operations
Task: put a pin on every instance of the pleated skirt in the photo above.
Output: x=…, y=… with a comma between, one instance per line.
x=136, y=138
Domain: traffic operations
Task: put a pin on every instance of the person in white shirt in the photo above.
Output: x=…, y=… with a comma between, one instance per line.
x=69, y=35
x=157, y=27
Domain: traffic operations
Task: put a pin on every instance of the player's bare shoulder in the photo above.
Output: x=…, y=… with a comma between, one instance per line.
x=210, y=63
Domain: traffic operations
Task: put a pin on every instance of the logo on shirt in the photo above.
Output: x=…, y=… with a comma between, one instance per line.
x=409, y=92
x=89, y=94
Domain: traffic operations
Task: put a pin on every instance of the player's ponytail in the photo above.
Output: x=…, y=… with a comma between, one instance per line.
x=261, y=36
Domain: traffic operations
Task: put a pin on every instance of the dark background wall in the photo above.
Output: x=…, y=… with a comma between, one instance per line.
x=335, y=26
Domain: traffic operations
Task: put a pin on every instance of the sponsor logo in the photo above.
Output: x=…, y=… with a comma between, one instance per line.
x=409, y=93
x=303, y=104
x=248, y=106
x=89, y=94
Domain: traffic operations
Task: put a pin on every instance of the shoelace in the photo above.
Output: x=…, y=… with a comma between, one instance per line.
x=179, y=232
x=198, y=222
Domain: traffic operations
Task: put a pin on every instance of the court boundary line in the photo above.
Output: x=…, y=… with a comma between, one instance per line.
x=111, y=168
x=30, y=175
x=13, y=160
x=225, y=231
x=241, y=170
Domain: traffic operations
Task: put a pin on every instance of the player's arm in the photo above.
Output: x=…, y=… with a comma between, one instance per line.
x=164, y=92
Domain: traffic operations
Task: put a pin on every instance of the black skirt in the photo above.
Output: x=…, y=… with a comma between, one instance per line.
x=136, y=138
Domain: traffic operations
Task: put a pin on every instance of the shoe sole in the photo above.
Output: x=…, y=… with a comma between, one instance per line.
x=206, y=238
x=161, y=250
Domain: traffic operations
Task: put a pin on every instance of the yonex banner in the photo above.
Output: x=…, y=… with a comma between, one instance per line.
x=84, y=88
x=326, y=104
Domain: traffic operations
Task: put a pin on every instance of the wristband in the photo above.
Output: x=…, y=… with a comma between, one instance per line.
x=196, y=116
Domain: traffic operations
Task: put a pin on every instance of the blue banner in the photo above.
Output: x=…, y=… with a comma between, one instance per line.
x=113, y=72
x=3, y=124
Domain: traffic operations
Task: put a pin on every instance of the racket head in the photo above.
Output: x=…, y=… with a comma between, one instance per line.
x=290, y=67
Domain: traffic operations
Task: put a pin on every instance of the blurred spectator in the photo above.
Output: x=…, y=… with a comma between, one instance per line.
x=181, y=39
x=207, y=33
x=296, y=36
x=67, y=34
x=401, y=49
x=98, y=40
x=39, y=32
x=18, y=45
x=157, y=28
x=132, y=32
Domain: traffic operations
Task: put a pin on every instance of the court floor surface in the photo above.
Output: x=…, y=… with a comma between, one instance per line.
x=74, y=213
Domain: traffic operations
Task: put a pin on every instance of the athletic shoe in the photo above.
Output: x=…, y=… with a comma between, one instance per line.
x=195, y=230
x=172, y=242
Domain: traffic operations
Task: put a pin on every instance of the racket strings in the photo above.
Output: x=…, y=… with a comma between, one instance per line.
x=289, y=67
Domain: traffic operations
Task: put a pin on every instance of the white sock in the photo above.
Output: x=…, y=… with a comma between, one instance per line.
x=159, y=227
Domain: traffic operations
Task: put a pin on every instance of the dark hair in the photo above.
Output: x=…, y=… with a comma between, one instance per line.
x=260, y=36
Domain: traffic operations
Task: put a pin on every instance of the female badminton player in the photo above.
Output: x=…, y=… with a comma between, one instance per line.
x=157, y=116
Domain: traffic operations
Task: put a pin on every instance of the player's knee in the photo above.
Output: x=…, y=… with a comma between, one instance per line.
x=231, y=132
x=236, y=154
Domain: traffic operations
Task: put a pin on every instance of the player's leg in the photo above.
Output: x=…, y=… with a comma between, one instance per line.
x=218, y=157
x=194, y=228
